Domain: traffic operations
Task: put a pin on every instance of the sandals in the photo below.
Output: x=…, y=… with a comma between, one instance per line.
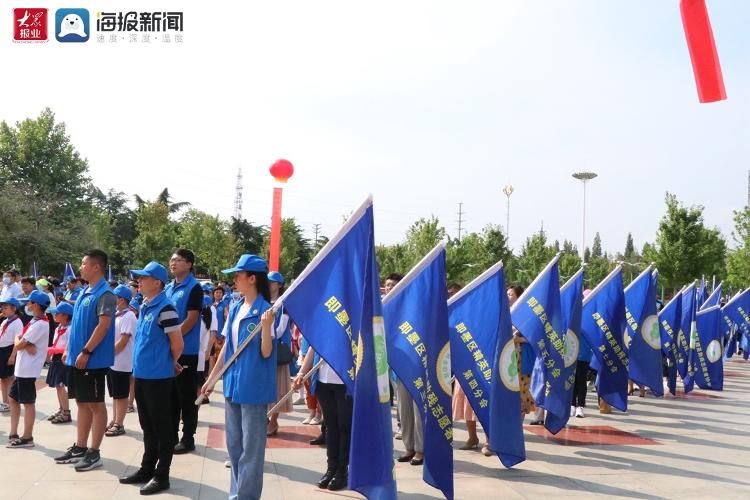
x=470, y=445
x=63, y=417
x=19, y=442
x=52, y=417
x=115, y=430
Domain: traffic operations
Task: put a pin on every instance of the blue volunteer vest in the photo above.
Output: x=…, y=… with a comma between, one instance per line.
x=82, y=327
x=152, y=357
x=251, y=379
x=178, y=294
x=220, y=307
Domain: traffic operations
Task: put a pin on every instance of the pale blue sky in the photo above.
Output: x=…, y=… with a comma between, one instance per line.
x=422, y=103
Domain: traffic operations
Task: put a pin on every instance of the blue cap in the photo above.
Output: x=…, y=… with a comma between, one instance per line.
x=207, y=287
x=11, y=301
x=276, y=277
x=207, y=302
x=37, y=297
x=153, y=270
x=62, y=308
x=250, y=263
x=123, y=291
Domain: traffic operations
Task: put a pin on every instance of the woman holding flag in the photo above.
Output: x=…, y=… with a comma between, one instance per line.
x=250, y=382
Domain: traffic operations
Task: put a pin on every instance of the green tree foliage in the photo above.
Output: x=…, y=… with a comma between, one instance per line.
x=113, y=225
x=249, y=236
x=570, y=261
x=296, y=251
x=738, y=260
x=211, y=241
x=596, y=248
x=535, y=254
x=157, y=234
x=685, y=248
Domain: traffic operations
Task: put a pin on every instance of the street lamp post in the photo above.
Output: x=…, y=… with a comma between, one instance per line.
x=584, y=177
x=507, y=191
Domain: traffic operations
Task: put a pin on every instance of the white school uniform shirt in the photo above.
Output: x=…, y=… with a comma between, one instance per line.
x=13, y=290
x=12, y=330
x=327, y=375
x=244, y=309
x=61, y=336
x=125, y=323
x=30, y=365
x=214, y=321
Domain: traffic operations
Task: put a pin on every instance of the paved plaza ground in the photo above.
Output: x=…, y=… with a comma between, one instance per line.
x=685, y=447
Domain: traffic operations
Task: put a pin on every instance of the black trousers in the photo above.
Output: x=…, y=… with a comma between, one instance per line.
x=337, y=413
x=155, y=410
x=579, y=389
x=185, y=392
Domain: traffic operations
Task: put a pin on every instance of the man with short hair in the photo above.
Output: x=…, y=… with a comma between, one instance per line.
x=11, y=289
x=186, y=295
x=73, y=290
x=89, y=354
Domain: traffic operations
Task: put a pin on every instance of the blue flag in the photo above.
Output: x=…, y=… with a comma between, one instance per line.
x=537, y=315
x=714, y=299
x=687, y=325
x=481, y=336
x=670, y=318
x=416, y=327
x=707, y=350
x=643, y=337
x=571, y=296
x=336, y=303
x=738, y=310
x=603, y=325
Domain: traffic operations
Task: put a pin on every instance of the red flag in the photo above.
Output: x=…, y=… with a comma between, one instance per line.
x=700, y=40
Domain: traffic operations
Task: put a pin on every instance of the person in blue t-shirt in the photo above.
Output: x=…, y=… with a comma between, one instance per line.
x=250, y=382
x=157, y=349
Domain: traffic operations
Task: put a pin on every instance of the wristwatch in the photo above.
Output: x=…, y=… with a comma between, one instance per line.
x=86, y=352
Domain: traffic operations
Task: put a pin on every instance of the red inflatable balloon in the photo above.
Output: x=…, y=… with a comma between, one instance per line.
x=282, y=170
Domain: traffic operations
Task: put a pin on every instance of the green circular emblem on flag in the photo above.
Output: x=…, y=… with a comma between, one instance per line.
x=572, y=345
x=626, y=339
x=378, y=340
x=713, y=351
x=444, y=368
x=508, y=367
x=650, y=331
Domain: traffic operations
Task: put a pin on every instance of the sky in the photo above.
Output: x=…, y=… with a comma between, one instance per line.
x=423, y=104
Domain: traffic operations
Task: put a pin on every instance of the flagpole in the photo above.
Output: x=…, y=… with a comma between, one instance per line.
x=571, y=280
x=647, y=270
x=674, y=297
x=291, y=392
x=531, y=286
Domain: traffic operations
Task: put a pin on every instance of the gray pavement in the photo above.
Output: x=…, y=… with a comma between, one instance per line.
x=694, y=447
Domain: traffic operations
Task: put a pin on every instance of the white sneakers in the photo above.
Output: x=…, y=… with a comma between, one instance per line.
x=579, y=412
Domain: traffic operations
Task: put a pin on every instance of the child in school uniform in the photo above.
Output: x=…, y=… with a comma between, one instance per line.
x=208, y=322
x=57, y=375
x=10, y=328
x=30, y=351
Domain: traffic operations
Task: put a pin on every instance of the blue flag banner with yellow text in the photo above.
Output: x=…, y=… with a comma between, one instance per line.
x=481, y=336
x=603, y=325
x=687, y=325
x=643, y=337
x=537, y=315
x=416, y=327
x=335, y=302
x=669, y=323
x=738, y=310
x=571, y=296
x=707, y=350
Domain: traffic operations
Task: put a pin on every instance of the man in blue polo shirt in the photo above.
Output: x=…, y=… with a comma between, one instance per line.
x=89, y=354
x=186, y=295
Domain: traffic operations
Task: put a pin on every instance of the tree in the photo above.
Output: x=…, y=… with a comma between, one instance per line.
x=596, y=248
x=157, y=234
x=422, y=237
x=535, y=254
x=113, y=224
x=392, y=259
x=738, y=260
x=249, y=236
x=165, y=199
x=209, y=238
x=684, y=248
x=570, y=261
x=629, y=253
x=295, y=251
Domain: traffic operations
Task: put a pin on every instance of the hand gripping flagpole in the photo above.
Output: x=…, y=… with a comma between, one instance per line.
x=289, y=394
x=350, y=222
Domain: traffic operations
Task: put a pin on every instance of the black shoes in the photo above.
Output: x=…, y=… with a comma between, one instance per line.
x=184, y=446
x=139, y=477
x=318, y=440
x=155, y=486
x=339, y=480
x=326, y=479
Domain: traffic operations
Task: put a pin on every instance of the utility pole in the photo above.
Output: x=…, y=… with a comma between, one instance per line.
x=460, y=220
x=316, y=229
x=238, y=196
x=507, y=191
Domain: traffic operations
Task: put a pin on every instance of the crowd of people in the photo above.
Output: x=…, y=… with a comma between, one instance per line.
x=158, y=343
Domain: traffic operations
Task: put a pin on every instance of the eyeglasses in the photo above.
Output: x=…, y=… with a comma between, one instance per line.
x=177, y=259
